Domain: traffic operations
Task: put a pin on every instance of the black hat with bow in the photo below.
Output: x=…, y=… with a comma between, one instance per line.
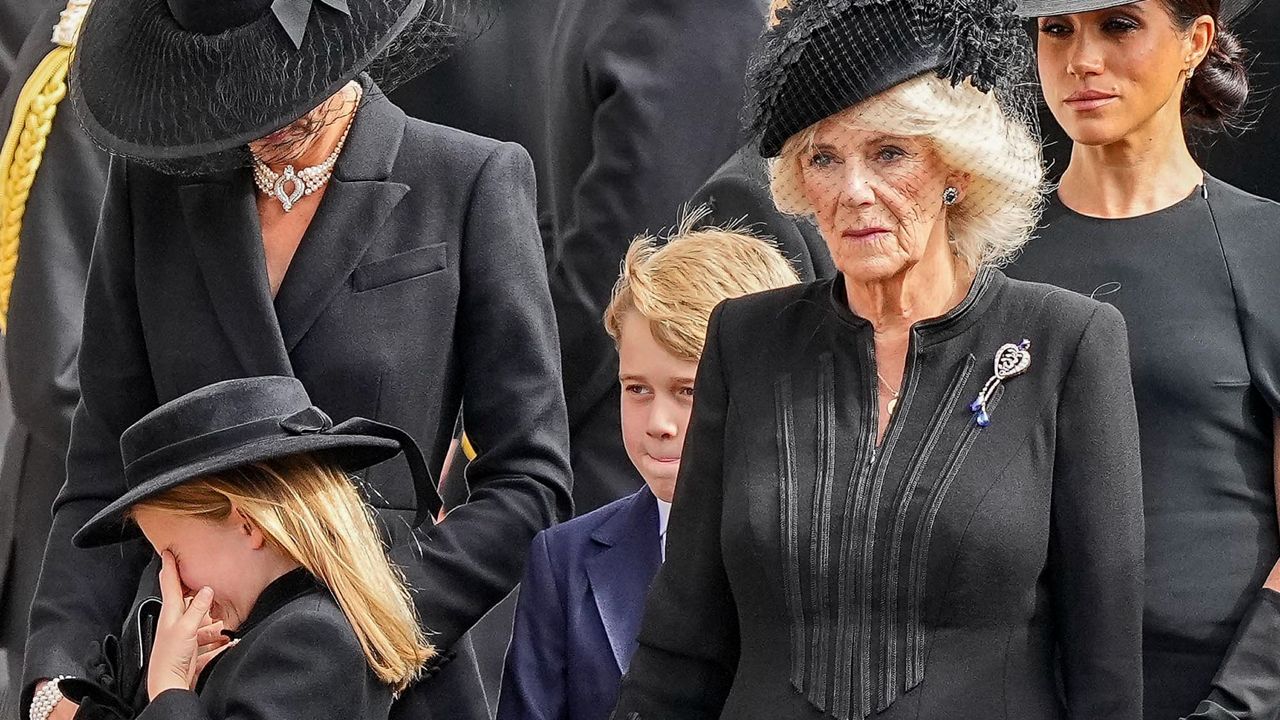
x=167, y=80
x=1229, y=12
x=238, y=422
x=824, y=56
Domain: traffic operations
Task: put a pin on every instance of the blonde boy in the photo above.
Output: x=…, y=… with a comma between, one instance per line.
x=583, y=592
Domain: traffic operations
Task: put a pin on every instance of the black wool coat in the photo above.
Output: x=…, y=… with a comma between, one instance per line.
x=738, y=195
x=43, y=338
x=952, y=570
x=642, y=105
x=419, y=287
x=275, y=672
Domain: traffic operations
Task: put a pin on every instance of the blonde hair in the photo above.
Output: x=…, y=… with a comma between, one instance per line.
x=972, y=135
x=676, y=286
x=312, y=513
x=774, y=7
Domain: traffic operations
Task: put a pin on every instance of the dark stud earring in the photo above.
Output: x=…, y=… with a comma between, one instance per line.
x=950, y=196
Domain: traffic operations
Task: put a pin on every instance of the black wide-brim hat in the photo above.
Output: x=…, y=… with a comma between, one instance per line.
x=239, y=422
x=825, y=56
x=166, y=80
x=1231, y=9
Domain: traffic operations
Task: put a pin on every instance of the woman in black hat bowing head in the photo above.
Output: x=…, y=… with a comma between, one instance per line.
x=242, y=488
x=911, y=491
x=269, y=212
x=1191, y=263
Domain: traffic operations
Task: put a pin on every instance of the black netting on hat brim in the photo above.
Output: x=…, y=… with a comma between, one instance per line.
x=185, y=103
x=824, y=56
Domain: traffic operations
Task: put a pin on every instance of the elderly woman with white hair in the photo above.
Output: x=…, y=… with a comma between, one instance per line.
x=913, y=490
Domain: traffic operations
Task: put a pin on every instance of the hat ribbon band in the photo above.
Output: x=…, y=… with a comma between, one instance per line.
x=199, y=447
x=424, y=485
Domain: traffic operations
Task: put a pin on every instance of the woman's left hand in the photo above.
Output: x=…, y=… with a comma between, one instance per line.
x=176, y=653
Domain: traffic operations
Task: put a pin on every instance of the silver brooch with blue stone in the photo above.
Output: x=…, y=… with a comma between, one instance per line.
x=1011, y=361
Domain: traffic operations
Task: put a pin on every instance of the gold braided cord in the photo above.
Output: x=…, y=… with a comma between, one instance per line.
x=467, y=448
x=20, y=158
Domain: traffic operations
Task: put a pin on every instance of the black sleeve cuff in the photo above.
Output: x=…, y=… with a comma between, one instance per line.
x=1247, y=686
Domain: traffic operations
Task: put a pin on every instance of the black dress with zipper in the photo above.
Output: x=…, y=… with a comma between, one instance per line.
x=953, y=571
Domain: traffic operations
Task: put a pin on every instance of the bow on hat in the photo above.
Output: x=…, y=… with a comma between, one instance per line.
x=293, y=14
x=313, y=420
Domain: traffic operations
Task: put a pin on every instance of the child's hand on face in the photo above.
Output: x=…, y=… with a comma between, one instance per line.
x=186, y=638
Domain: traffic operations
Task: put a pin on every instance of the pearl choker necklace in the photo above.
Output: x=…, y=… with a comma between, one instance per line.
x=289, y=186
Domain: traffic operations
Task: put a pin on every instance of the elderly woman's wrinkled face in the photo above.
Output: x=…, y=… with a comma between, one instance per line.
x=1106, y=74
x=878, y=199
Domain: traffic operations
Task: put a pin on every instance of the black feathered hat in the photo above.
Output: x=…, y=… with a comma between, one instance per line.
x=164, y=80
x=238, y=422
x=1231, y=9
x=824, y=56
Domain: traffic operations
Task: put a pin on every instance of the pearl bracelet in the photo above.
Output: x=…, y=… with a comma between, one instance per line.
x=46, y=699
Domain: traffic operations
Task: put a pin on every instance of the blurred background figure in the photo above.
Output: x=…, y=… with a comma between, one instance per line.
x=51, y=183
x=494, y=86
x=1249, y=160
x=16, y=19
x=641, y=106
x=737, y=195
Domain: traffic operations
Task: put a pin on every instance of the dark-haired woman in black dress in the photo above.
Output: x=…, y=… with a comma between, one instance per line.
x=1190, y=262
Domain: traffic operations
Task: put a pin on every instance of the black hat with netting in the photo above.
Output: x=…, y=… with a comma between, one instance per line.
x=895, y=123
x=167, y=81
x=824, y=56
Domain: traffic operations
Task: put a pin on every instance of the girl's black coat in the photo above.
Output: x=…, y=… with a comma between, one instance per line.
x=275, y=672
x=419, y=285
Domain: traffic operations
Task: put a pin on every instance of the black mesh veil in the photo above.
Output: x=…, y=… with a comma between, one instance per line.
x=187, y=103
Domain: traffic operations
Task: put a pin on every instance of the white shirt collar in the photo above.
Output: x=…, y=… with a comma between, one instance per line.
x=664, y=514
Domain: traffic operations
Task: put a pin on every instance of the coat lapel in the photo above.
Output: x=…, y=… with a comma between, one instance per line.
x=359, y=199
x=227, y=241
x=622, y=571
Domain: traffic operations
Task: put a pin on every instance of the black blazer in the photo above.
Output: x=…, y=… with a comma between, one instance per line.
x=952, y=571
x=579, y=612
x=298, y=659
x=43, y=337
x=642, y=106
x=738, y=194
x=419, y=286
x=17, y=18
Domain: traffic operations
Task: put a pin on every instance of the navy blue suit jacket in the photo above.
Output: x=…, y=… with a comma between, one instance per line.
x=579, y=612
